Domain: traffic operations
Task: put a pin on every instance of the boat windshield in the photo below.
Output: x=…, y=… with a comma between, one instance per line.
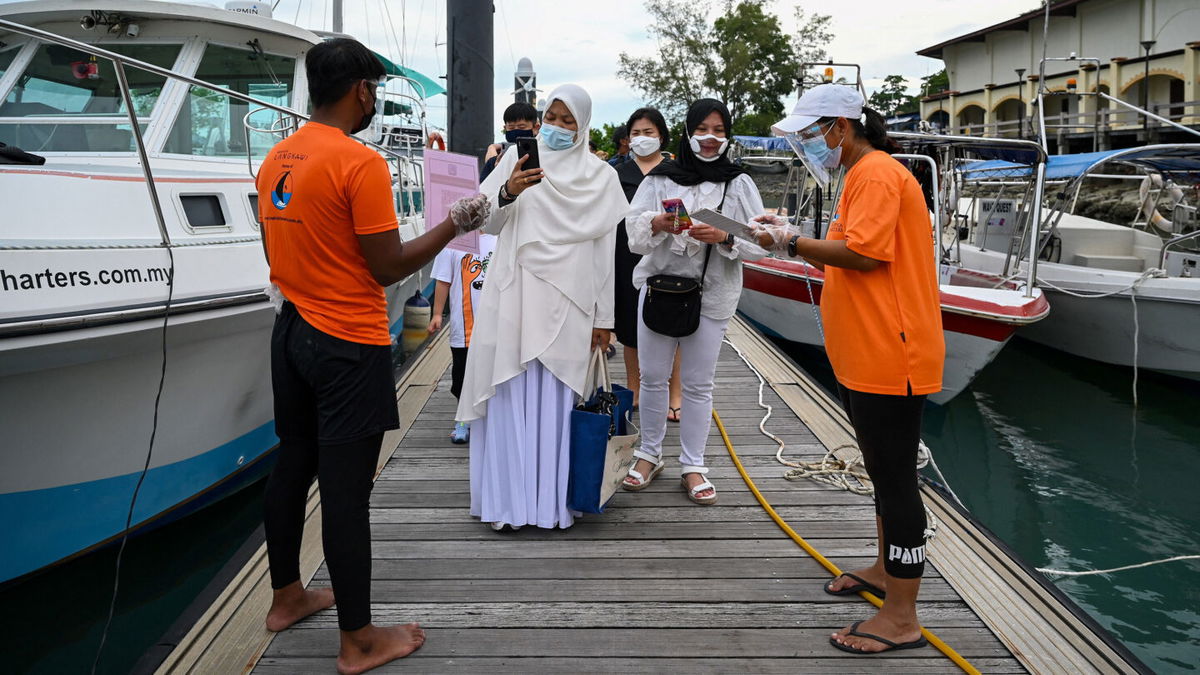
x=211, y=124
x=6, y=58
x=67, y=101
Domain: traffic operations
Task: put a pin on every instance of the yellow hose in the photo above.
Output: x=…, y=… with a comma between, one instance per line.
x=825, y=562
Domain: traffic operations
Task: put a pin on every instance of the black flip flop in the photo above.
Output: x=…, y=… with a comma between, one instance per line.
x=862, y=585
x=891, y=646
x=677, y=412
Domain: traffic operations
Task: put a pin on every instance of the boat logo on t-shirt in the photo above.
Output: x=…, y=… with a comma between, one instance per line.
x=282, y=193
x=835, y=224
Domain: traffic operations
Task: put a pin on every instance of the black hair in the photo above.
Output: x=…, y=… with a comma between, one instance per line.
x=655, y=118
x=520, y=112
x=336, y=65
x=620, y=133
x=874, y=130
x=591, y=145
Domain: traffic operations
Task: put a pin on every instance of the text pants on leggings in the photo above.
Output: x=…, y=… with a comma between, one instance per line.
x=698, y=364
x=888, y=430
x=344, y=473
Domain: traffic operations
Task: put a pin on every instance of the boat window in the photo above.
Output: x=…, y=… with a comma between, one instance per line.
x=6, y=58
x=210, y=123
x=67, y=101
x=253, y=197
x=203, y=210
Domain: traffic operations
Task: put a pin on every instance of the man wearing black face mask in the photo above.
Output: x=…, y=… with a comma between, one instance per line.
x=520, y=121
x=330, y=233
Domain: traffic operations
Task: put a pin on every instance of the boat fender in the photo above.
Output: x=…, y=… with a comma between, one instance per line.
x=416, y=323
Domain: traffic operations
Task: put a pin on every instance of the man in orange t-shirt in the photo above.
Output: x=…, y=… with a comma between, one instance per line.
x=883, y=335
x=331, y=239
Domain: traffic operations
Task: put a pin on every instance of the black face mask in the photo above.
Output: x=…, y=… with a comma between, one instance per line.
x=512, y=136
x=366, y=119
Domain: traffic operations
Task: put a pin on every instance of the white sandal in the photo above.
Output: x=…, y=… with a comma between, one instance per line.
x=642, y=481
x=692, y=492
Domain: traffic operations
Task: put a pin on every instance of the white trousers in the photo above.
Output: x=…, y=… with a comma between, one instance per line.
x=698, y=364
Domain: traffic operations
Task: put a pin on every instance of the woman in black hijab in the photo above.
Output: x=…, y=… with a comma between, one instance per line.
x=701, y=176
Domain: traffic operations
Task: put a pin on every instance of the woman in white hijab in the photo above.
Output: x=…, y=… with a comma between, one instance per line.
x=548, y=297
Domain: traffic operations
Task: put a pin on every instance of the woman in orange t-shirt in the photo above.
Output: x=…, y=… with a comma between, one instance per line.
x=883, y=335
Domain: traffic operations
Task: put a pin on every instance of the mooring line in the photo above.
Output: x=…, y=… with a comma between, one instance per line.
x=825, y=562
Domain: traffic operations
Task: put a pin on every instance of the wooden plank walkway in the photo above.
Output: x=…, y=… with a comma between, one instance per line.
x=656, y=584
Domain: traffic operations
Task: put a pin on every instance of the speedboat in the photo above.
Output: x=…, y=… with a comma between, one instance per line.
x=1127, y=293
x=134, y=322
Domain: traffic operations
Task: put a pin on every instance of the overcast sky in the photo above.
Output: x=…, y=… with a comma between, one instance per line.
x=574, y=41
x=577, y=41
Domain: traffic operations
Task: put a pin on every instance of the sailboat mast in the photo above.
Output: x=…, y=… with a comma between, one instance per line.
x=470, y=86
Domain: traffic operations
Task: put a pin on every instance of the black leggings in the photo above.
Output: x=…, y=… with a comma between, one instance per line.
x=888, y=429
x=344, y=472
x=458, y=369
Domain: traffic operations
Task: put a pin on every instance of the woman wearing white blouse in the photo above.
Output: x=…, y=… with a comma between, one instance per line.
x=702, y=177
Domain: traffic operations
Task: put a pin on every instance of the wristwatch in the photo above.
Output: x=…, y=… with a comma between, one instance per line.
x=729, y=240
x=791, y=246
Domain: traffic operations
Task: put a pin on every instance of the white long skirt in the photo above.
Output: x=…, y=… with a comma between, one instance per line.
x=520, y=452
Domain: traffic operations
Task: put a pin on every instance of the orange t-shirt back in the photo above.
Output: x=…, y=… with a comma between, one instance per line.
x=318, y=190
x=883, y=328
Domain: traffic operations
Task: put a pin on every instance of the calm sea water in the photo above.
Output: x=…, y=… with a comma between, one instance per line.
x=1048, y=451
x=1045, y=449
x=53, y=621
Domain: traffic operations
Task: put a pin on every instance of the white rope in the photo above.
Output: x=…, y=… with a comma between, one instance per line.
x=1152, y=273
x=1065, y=573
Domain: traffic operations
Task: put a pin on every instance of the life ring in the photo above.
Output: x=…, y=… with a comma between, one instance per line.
x=436, y=139
x=1174, y=195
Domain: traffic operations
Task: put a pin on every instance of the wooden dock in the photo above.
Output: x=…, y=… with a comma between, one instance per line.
x=656, y=584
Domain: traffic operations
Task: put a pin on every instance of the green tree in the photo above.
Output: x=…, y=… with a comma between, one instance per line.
x=603, y=137
x=743, y=57
x=808, y=44
x=932, y=84
x=891, y=97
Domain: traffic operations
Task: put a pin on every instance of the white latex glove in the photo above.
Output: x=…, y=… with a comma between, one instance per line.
x=776, y=229
x=470, y=213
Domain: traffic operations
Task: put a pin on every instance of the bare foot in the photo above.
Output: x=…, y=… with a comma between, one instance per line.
x=372, y=646
x=883, y=627
x=873, y=575
x=294, y=602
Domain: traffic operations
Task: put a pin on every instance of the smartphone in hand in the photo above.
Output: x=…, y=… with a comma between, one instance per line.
x=676, y=207
x=528, y=146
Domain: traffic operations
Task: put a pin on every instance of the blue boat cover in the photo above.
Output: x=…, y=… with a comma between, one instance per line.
x=1178, y=161
x=774, y=143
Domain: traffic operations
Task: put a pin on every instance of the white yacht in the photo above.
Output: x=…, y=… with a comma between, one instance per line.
x=106, y=292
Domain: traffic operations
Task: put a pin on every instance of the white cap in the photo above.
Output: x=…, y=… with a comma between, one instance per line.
x=825, y=100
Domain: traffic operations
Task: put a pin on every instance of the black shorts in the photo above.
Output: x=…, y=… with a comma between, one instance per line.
x=327, y=388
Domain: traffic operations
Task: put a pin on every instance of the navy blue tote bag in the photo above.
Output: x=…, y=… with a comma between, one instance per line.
x=601, y=443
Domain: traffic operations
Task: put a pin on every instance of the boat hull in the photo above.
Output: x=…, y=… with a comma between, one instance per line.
x=1102, y=328
x=777, y=296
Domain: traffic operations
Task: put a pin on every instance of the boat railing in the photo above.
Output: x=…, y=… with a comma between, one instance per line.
x=120, y=61
x=1174, y=241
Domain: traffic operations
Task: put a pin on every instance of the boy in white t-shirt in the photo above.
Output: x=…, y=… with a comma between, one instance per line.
x=460, y=276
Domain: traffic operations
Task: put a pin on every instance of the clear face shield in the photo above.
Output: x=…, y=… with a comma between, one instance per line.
x=810, y=147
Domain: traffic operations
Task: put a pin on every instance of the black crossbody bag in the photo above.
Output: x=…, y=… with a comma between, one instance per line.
x=672, y=304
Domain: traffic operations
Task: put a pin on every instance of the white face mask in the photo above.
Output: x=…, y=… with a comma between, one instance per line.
x=644, y=146
x=695, y=143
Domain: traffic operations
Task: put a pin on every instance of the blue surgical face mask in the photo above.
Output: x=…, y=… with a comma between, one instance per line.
x=819, y=153
x=512, y=135
x=557, y=138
